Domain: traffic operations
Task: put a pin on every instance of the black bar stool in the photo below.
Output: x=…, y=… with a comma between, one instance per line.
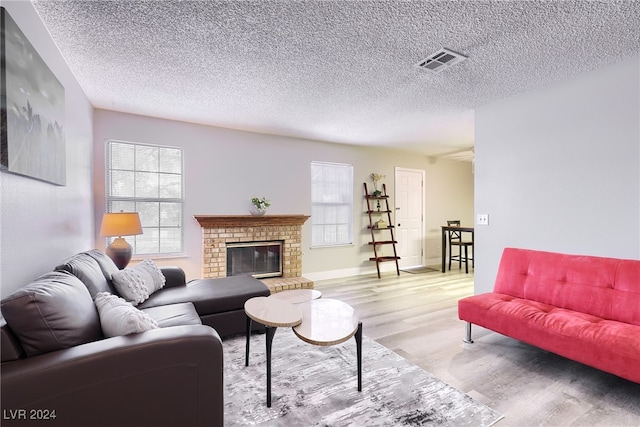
x=455, y=239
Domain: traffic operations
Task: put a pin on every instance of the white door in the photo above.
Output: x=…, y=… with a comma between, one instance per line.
x=409, y=216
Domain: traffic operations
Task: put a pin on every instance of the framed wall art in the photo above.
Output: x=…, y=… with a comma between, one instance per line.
x=32, y=110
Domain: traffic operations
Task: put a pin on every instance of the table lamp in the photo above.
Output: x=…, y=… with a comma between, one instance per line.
x=120, y=224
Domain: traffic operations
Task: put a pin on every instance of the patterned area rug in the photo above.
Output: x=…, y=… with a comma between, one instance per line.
x=317, y=386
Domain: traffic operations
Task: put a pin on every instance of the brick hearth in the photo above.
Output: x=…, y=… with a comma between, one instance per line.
x=218, y=230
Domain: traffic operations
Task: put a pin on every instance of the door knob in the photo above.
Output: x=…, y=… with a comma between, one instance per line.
x=398, y=225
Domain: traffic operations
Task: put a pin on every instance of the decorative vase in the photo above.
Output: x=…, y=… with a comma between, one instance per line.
x=257, y=212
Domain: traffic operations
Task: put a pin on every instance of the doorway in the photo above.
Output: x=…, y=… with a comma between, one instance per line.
x=409, y=216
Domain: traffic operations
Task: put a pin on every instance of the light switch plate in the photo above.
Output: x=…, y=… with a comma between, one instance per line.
x=483, y=219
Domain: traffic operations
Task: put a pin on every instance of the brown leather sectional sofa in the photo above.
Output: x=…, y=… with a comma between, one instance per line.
x=58, y=369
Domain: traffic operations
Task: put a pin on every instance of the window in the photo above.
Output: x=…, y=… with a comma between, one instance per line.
x=331, y=204
x=148, y=179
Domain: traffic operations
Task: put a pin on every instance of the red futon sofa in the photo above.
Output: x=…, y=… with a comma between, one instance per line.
x=584, y=308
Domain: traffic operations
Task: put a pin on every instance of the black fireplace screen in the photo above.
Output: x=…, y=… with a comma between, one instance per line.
x=260, y=259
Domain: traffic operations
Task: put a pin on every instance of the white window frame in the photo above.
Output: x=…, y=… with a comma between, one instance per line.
x=111, y=199
x=331, y=204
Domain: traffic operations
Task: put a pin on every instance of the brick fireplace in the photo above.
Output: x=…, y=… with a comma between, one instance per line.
x=218, y=230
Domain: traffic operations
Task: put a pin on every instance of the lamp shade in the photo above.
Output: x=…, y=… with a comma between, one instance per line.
x=120, y=224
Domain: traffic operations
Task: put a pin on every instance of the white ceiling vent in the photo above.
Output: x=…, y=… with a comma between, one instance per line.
x=441, y=60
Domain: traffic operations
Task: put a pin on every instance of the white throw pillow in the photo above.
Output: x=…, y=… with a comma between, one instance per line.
x=156, y=274
x=133, y=284
x=118, y=317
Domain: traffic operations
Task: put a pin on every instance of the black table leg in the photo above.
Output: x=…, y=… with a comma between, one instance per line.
x=466, y=259
x=271, y=331
x=444, y=249
x=358, y=336
x=246, y=357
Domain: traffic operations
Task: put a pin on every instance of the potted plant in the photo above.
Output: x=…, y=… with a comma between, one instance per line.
x=259, y=205
x=375, y=177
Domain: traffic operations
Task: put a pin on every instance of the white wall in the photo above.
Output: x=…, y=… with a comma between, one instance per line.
x=558, y=169
x=225, y=168
x=40, y=223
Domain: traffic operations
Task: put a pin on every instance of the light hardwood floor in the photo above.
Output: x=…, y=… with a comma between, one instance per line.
x=415, y=315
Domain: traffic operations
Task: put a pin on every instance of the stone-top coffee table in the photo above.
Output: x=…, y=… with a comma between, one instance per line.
x=318, y=321
x=297, y=296
x=329, y=322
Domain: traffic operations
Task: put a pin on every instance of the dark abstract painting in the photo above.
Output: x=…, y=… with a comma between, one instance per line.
x=33, y=142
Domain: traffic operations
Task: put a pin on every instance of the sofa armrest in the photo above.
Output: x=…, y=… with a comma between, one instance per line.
x=170, y=376
x=174, y=277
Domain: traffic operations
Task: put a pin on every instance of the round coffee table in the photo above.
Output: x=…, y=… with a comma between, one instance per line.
x=329, y=322
x=326, y=322
x=297, y=296
x=272, y=313
x=318, y=321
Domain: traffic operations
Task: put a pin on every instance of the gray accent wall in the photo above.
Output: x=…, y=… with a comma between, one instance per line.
x=558, y=169
x=41, y=223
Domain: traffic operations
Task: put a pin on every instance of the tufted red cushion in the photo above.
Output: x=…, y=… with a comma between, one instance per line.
x=604, y=287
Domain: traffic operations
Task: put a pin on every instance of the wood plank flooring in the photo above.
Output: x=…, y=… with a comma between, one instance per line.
x=415, y=315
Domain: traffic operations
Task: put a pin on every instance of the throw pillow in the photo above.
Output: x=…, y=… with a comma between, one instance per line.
x=156, y=274
x=135, y=284
x=118, y=317
x=132, y=284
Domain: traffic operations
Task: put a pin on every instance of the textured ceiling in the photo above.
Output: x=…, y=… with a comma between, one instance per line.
x=339, y=71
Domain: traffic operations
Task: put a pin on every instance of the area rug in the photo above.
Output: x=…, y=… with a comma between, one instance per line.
x=317, y=386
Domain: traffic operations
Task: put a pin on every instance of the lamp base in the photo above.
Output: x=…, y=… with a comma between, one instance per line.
x=120, y=252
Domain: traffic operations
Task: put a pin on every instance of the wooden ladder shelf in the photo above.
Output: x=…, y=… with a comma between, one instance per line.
x=377, y=225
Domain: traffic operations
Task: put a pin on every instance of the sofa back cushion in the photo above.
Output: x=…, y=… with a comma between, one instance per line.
x=10, y=347
x=51, y=313
x=86, y=268
x=605, y=287
x=106, y=264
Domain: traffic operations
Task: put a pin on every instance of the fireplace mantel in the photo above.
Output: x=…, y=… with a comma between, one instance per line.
x=219, y=221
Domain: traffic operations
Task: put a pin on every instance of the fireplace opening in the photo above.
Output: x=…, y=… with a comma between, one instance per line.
x=260, y=259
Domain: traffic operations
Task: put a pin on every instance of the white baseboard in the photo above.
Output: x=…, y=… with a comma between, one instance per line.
x=347, y=272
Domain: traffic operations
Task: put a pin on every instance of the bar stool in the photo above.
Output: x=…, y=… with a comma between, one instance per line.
x=455, y=239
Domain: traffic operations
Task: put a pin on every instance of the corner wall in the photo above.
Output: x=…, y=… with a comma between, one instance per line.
x=40, y=223
x=558, y=169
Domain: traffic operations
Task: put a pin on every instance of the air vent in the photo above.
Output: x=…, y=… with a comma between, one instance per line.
x=441, y=60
